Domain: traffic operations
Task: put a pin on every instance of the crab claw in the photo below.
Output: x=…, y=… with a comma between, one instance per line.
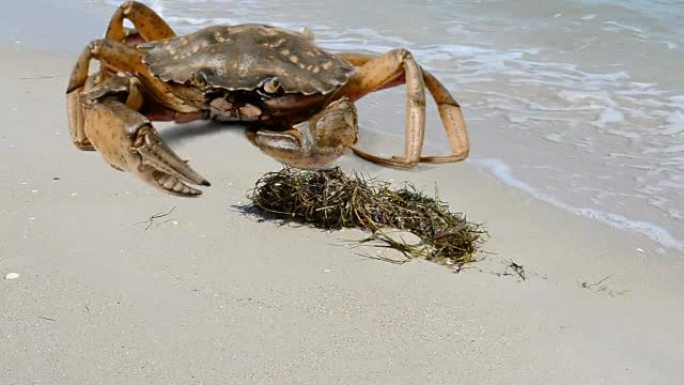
x=167, y=170
x=128, y=141
x=314, y=143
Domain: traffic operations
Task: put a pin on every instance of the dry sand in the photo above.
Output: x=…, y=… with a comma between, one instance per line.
x=207, y=295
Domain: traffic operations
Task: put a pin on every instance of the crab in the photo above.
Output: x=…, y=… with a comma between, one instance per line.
x=296, y=99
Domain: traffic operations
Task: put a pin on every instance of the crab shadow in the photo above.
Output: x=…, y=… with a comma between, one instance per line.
x=180, y=133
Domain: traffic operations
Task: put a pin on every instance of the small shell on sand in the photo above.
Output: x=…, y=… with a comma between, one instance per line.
x=12, y=276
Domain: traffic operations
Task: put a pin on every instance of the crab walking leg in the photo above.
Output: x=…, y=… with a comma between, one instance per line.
x=452, y=120
x=128, y=141
x=75, y=114
x=377, y=74
x=122, y=58
x=356, y=59
x=147, y=23
x=449, y=111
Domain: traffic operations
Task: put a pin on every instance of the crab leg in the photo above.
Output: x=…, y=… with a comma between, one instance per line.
x=377, y=74
x=128, y=141
x=452, y=120
x=449, y=110
x=75, y=114
x=147, y=23
x=122, y=58
x=356, y=59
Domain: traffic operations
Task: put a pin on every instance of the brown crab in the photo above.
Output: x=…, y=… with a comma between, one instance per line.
x=296, y=98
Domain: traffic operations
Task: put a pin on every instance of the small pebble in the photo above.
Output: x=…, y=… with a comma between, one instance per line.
x=326, y=271
x=175, y=223
x=12, y=276
x=73, y=194
x=639, y=249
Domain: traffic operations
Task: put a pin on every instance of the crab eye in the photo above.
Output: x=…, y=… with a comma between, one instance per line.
x=272, y=86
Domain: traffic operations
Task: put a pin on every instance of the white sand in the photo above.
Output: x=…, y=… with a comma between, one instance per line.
x=210, y=296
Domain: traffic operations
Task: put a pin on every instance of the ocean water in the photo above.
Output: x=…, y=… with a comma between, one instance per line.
x=579, y=103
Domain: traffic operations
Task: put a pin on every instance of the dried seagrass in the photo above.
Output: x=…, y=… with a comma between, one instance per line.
x=329, y=199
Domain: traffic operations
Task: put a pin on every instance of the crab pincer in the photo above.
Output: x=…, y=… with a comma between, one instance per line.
x=128, y=141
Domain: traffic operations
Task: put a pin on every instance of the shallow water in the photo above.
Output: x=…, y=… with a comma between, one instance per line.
x=578, y=103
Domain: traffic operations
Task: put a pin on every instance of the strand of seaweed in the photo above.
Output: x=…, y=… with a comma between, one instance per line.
x=329, y=199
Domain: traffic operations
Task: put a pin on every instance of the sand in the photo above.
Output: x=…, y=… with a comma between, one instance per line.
x=208, y=295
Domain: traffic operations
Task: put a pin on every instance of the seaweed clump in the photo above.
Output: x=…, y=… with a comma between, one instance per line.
x=328, y=199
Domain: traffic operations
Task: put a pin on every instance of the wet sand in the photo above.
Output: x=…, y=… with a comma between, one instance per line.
x=209, y=295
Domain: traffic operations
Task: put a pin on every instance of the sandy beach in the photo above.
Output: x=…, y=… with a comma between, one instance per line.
x=209, y=295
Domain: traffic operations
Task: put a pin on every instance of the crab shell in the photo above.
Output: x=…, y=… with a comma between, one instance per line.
x=246, y=57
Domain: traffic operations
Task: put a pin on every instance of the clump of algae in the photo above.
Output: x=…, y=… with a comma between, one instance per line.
x=329, y=199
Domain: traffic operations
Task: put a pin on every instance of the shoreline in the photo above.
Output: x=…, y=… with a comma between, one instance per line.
x=655, y=233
